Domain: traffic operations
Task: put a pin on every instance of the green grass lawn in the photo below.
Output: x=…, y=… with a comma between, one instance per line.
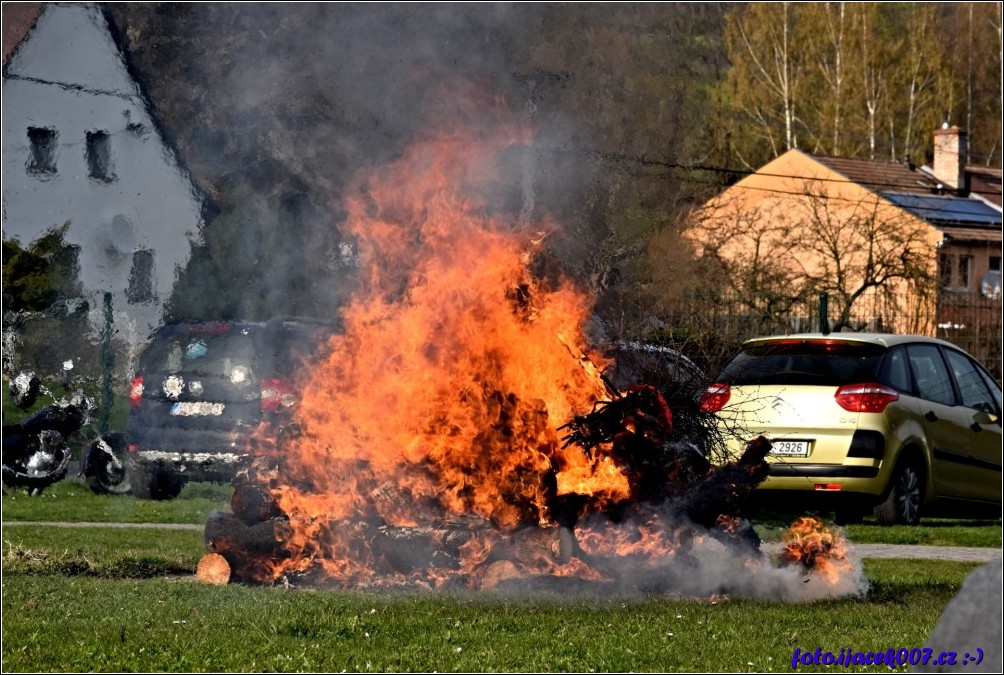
x=930, y=532
x=125, y=599
x=72, y=501
x=98, y=600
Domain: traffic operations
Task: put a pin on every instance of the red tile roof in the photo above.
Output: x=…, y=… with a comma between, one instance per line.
x=985, y=182
x=18, y=19
x=880, y=176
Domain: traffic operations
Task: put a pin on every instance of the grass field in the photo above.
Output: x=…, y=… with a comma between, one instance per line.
x=97, y=599
x=125, y=599
x=74, y=502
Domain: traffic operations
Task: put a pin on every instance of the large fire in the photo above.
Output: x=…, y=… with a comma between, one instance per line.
x=443, y=395
x=431, y=445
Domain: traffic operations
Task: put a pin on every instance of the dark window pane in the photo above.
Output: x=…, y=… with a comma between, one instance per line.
x=931, y=374
x=213, y=355
x=895, y=372
x=141, y=278
x=971, y=385
x=43, y=151
x=995, y=389
x=814, y=362
x=99, y=155
x=965, y=271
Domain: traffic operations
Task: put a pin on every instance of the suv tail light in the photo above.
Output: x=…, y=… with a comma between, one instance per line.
x=715, y=397
x=136, y=391
x=865, y=398
x=276, y=394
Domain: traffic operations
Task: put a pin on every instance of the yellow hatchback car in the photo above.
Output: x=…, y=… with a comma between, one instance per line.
x=898, y=424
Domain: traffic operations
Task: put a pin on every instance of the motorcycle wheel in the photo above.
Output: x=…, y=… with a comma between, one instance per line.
x=45, y=463
x=104, y=465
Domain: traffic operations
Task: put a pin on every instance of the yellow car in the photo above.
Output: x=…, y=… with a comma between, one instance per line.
x=899, y=424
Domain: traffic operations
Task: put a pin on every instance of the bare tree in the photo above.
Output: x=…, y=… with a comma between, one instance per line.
x=778, y=248
x=752, y=247
x=854, y=249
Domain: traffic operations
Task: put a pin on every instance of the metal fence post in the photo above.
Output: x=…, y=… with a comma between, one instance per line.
x=107, y=364
x=824, y=310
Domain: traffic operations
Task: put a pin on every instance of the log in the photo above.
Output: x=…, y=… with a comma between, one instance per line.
x=226, y=533
x=497, y=572
x=213, y=569
x=533, y=546
x=248, y=549
x=397, y=506
x=407, y=549
x=253, y=504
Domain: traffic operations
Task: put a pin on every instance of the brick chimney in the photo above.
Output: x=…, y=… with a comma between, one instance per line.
x=951, y=152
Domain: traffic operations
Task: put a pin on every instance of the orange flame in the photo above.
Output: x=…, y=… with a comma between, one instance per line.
x=809, y=543
x=445, y=390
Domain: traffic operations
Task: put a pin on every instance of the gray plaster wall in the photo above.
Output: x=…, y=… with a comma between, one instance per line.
x=69, y=76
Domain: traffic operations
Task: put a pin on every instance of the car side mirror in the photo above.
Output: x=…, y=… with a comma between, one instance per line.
x=985, y=418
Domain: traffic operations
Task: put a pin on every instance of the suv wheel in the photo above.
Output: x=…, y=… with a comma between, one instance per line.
x=906, y=494
x=149, y=483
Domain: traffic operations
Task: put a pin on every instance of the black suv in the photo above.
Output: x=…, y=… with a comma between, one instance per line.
x=200, y=392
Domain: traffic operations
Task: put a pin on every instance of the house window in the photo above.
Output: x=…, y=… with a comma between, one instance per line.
x=141, y=278
x=955, y=272
x=964, y=272
x=99, y=156
x=995, y=263
x=945, y=270
x=42, y=161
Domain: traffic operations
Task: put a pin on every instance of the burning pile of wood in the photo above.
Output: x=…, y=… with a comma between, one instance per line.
x=440, y=441
x=669, y=479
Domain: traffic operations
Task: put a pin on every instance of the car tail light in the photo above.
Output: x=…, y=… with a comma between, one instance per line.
x=828, y=487
x=276, y=394
x=865, y=398
x=715, y=397
x=136, y=391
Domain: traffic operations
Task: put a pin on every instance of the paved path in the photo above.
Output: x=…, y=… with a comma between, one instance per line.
x=160, y=526
x=959, y=553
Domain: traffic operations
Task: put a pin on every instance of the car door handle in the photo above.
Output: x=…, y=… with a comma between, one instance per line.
x=930, y=416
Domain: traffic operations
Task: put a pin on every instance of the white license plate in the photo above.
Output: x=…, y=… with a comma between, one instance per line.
x=790, y=448
x=196, y=408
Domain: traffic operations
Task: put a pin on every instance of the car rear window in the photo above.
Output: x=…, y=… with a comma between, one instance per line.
x=204, y=354
x=806, y=362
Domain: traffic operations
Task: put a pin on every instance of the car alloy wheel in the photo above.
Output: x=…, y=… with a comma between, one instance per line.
x=902, y=506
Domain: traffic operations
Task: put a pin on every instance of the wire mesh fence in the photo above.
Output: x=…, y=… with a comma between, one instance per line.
x=717, y=321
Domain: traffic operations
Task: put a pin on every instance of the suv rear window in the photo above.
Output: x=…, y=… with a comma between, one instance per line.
x=806, y=362
x=203, y=354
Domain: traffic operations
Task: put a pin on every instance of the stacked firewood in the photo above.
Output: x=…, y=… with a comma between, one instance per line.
x=245, y=544
x=251, y=541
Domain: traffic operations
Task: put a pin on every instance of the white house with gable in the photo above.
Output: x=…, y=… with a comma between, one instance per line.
x=80, y=146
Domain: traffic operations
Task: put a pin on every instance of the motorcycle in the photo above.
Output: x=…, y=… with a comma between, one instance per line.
x=36, y=450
